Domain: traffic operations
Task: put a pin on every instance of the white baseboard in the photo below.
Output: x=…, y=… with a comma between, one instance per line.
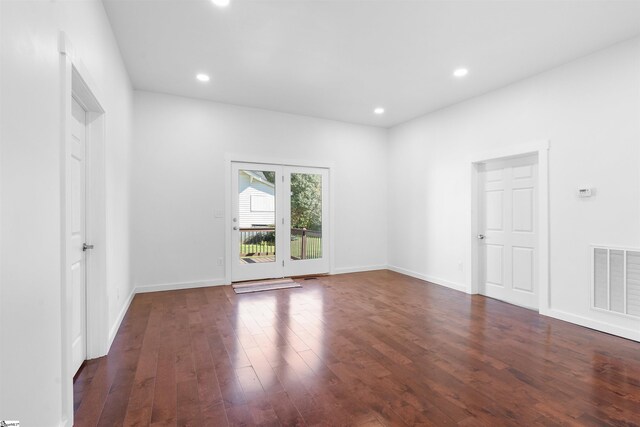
x=593, y=324
x=431, y=279
x=177, y=286
x=358, y=269
x=116, y=325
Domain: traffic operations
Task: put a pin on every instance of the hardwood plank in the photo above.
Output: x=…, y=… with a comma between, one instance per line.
x=362, y=349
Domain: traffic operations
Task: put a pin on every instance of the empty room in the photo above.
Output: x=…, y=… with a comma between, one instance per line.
x=319, y=213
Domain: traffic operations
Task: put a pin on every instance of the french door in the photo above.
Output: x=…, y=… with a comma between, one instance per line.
x=280, y=221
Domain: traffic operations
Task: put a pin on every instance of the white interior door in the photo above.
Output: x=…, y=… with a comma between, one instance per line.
x=508, y=230
x=280, y=221
x=77, y=258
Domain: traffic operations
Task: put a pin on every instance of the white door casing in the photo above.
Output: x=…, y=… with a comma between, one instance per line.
x=77, y=259
x=508, y=221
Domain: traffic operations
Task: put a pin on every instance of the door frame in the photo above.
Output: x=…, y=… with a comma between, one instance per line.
x=252, y=158
x=77, y=83
x=541, y=150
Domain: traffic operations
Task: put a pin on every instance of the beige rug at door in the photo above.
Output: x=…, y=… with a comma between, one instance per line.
x=265, y=285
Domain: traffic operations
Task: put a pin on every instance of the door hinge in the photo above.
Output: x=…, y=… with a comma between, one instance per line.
x=282, y=221
x=283, y=263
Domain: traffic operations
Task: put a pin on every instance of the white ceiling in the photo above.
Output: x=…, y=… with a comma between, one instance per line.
x=340, y=59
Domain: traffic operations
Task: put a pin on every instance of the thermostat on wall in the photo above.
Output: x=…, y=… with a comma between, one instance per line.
x=584, y=192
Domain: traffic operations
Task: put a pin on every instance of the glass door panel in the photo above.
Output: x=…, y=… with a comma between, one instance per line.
x=306, y=216
x=256, y=216
x=256, y=207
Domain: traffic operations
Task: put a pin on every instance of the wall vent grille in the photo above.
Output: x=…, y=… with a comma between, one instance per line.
x=616, y=280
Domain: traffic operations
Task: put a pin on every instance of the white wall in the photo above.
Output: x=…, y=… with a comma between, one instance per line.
x=179, y=182
x=589, y=110
x=30, y=306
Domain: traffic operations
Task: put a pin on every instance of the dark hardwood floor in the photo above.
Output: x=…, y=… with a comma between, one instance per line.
x=373, y=349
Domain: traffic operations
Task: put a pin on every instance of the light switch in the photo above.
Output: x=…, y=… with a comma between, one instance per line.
x=584, y=192
x=218, y=213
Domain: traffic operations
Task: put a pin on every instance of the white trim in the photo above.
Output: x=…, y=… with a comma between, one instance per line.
x=179, y=285
x=541, y=148
x=597, y=325
x=431, y=279
x=252, y=158
x=123, y=311
x=347, y=270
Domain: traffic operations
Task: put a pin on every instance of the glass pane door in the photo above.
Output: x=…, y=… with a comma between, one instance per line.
x=306, y=213
x=256, y=208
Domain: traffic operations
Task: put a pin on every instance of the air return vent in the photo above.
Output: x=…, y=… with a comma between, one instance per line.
x=616, y=280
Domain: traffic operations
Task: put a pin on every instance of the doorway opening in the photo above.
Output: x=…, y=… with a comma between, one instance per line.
x=279, y=221
x=510, y=226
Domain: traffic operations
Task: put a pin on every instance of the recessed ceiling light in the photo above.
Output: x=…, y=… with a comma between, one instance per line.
x=203, y=77
x=461, y=72
x=379, y=110
x=221, y=3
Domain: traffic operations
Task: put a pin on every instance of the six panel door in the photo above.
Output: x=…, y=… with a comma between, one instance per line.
x=508, y=222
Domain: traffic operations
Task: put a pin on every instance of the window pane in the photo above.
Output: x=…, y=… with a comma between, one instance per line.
x=256, y=216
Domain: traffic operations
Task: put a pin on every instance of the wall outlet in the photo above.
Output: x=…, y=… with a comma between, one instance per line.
x=220, y=262
x=460, y=266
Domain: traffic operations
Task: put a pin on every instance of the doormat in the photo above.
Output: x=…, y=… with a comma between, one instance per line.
x=265, y=285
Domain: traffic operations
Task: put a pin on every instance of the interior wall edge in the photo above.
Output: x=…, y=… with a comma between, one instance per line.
x=431, y=279
x=118, y=321
x=161, y=287
x=358, y=269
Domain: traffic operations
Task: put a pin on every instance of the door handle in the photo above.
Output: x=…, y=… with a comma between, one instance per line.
x=235, y=227
x=481, y=236
x=86, y=247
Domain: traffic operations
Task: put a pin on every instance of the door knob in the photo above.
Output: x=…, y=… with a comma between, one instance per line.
x=86, y=247
x=235, y=228
x=481, y=236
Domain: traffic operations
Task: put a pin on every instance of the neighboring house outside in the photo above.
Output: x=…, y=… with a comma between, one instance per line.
x=256, y=199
